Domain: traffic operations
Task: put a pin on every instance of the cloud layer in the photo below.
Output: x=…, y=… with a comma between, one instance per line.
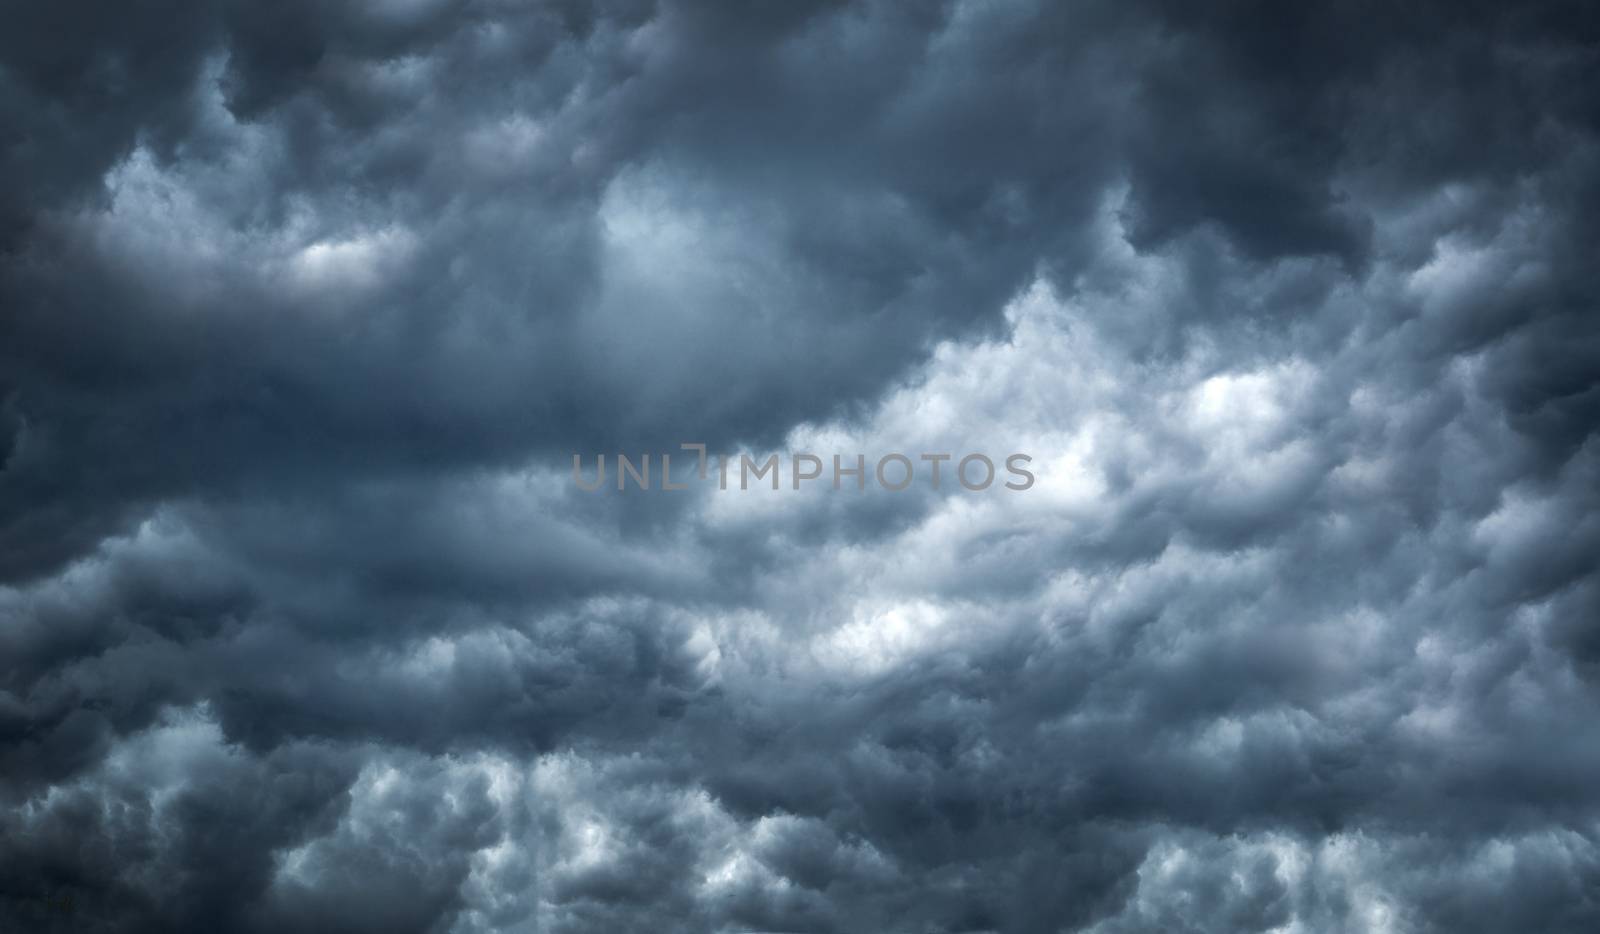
x=307, y=306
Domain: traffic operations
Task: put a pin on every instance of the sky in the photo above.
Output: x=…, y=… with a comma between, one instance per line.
x=306, y=308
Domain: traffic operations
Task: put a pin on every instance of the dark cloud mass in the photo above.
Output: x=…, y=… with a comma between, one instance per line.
x=305, y=307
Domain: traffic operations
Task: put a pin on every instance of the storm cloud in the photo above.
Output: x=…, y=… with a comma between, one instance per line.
x=305, y=308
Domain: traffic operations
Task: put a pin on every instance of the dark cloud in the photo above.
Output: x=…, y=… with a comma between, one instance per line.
x=306, y=307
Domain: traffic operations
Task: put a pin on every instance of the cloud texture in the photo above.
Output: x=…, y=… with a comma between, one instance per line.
x=305, y=307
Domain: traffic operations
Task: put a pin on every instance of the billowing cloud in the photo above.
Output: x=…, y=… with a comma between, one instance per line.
x=304, y=623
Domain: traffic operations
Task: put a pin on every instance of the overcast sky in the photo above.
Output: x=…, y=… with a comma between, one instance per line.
x=305, y=307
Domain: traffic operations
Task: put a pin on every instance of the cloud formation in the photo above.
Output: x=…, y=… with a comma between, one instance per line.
x=307, y=306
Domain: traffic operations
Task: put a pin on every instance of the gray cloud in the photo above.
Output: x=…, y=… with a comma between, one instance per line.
x=307, y=306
